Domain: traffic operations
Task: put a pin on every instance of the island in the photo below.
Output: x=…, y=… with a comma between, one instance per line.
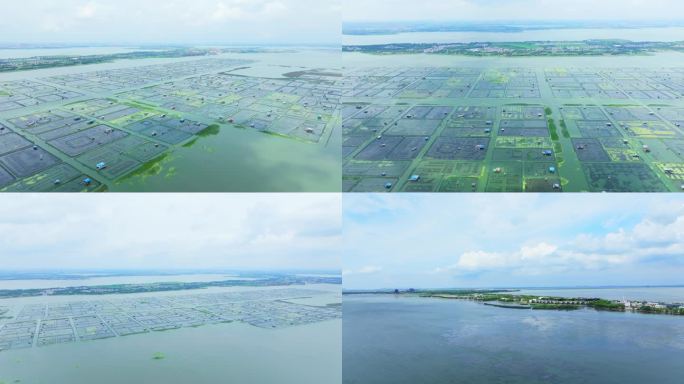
x=506, y=298
x=263, y=281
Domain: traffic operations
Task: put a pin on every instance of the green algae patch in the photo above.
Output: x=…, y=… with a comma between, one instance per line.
x=190, y=143
x=211, y=130
x=150, y=168
x=553, y=130
x=158, y=356
x=564, y=129
x=171, y=172
x=558, y=148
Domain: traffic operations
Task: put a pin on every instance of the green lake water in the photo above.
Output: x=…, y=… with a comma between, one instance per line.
x=222, y=353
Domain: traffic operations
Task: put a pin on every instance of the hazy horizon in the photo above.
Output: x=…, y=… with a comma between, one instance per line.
x=488, y=10
x=523, y=22
x=230, y=22
x=518, y=287
x=152, y=45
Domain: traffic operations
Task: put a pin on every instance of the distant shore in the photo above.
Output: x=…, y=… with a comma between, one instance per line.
x=266, y=281
x=509, y=299
x=523, y=48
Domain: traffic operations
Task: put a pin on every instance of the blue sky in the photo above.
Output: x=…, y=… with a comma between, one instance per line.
x=170, y=231
x=431, y=241
x=171, y=21
x=399, y=10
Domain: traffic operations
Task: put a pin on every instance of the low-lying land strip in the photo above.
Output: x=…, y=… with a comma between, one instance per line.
x=285, y=280
x=510, y=299
x=524, y=48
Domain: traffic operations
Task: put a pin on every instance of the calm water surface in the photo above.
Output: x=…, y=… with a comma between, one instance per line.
x=418, y=340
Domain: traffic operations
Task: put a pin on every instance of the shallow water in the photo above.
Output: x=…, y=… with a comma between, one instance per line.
x=399, y=340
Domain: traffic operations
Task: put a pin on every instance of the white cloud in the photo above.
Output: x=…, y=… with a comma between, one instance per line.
x=645, y=240
x=399, y=10
x=537, y=252
x=481, y=259
x=87, y=10
x=170, y=231
x=525, y=258
x=365, y=270
x=372, y=204
x=504, y=240
x=370, y=269
x=646, y=237
x=172, y=21
x=274, y=7
x=241, y=9
x=225, y=12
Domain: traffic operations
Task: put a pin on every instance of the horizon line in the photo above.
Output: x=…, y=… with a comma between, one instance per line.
x=527, y=287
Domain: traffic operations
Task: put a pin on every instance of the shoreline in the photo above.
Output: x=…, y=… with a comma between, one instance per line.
x=507, y=299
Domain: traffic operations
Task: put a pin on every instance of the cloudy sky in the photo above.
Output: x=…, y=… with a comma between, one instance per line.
x=171, y=21
x=170, y=231
x=394, y=10
x=432, y=241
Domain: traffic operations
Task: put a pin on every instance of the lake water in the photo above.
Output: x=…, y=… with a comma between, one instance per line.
x=220, y=353
x=634, y=34
x=398, y=340
x=223, y=353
